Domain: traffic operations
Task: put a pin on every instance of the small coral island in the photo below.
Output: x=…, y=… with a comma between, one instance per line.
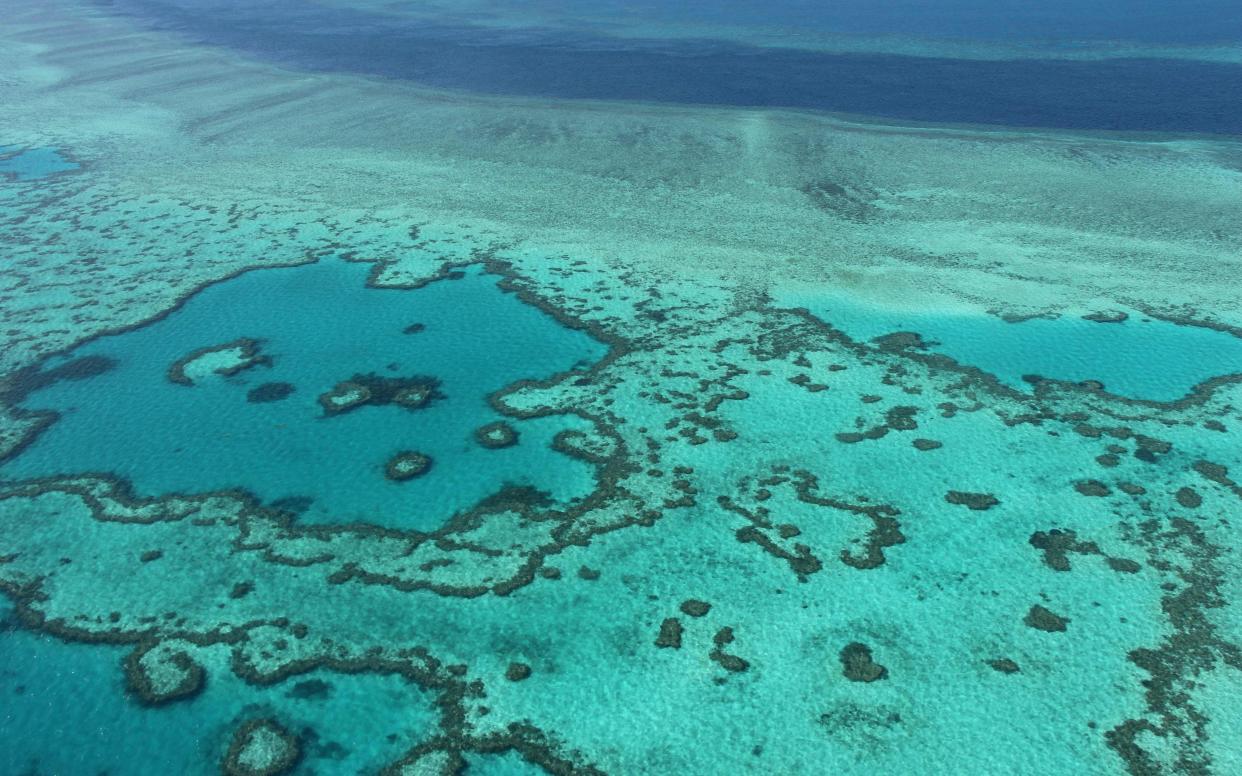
x=225, y=360
x=413, y=393
x=262, y=747
x=407, y=465
x=496, y=435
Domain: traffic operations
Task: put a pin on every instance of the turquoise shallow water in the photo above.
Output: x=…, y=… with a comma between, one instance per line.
x=74, y=694
x=1139, y=358
x=771, y=550
x=320, y=325
x=32, y=163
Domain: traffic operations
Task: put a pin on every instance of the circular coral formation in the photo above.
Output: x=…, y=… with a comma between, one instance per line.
x=496, y=435
x=593, y=447
x=344, y=397
x=262, y=747
x=225, y=359
x=1189, y=497
x=407, y=465
x=412, y=393
x=857, y=665
x=415, y=397
x=158, y=677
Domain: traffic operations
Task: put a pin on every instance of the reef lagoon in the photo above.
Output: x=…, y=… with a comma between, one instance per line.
x=205, y=401
x=598, y=387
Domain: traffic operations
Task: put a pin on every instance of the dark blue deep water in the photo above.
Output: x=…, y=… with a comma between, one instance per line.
x=1152, y=21
x=1134, y=94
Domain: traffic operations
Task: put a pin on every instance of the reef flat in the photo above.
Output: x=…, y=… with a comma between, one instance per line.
x=359, y=425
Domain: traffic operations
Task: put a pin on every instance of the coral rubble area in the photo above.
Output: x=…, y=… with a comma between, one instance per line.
x=352, y=426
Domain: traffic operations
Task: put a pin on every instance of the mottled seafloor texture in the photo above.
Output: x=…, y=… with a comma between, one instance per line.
x=428, y=388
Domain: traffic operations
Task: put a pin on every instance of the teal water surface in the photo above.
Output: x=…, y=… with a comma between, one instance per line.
x=320, y=325
x=65, y=710
x=33, y=163
x=1139, y=358
x=799, y=555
